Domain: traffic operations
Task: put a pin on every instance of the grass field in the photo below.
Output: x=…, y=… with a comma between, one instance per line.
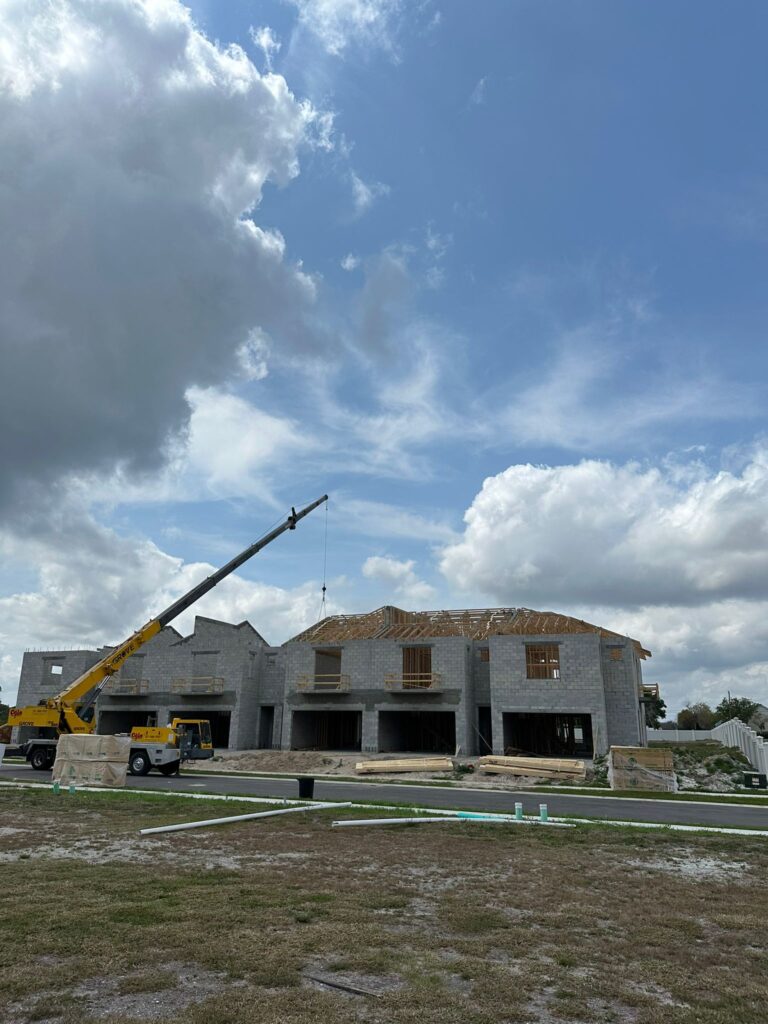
x=259, y=922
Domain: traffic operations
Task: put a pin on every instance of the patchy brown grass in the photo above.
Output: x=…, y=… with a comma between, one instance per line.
x=287, y=920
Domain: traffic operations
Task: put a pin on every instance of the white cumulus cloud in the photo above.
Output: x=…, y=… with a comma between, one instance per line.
x=400, y=577
x=673, y=555
x=135, y=153
x=618, y=535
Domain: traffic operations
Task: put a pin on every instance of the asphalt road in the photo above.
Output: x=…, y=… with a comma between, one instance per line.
x=558, y=804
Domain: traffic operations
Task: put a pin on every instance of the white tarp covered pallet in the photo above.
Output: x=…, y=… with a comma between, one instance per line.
x=642, y=768
x=92, y=760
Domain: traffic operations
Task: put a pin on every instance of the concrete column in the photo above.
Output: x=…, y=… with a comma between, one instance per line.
x=370, y=736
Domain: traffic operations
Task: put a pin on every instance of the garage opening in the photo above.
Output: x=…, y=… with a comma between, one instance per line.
x=219, y=723
x=112, y=722
x=417, y=732
x=548, y=735
x=326, y=730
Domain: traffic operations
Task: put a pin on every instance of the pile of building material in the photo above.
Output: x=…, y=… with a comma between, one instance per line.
x=649, y=768
x=91, y=760
x=409, y=764
x=559, y=769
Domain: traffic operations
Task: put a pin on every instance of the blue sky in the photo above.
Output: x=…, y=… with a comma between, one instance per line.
x=491, y=275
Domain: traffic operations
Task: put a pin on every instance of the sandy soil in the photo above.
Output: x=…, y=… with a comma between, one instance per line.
x=322, y=762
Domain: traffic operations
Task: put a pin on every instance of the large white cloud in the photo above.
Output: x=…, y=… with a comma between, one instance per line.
x=676, y=556
x=134, y=152
x=621, y=536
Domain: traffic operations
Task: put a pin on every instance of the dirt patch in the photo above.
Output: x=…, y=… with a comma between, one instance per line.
x=687, y=865
x=143, y=995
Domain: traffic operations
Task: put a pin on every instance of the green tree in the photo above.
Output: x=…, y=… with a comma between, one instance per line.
x=4, y=713
x=655, y=712
x=696, y=716
x=735, y=707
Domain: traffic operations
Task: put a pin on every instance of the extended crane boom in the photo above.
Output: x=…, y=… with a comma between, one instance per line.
x=72, y=709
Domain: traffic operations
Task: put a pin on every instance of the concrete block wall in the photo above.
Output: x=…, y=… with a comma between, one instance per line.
x=623, y=690
x=579, y=690
x=594, y=681
x=367, y=663
x=38, y=680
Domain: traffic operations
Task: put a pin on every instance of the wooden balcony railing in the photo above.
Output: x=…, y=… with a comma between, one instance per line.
x=413, y=681
x=650, y=691
x=196, y=686
x=323, y=683
x=126, y=687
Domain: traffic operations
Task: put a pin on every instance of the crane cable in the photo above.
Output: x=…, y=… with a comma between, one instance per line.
x=323, y=609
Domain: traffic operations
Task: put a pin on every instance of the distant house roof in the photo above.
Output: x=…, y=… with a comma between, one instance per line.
x=393, y=623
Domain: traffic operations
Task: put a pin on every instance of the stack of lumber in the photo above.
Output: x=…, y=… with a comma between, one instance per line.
x=556, y=768
x=91, y=760
x=408, y=764
x=649, y=768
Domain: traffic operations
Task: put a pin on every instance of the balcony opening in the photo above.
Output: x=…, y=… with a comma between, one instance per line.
x=417, y=732
x=548, y=735
x=326, y=730
x=417, y=668
x=328, y=668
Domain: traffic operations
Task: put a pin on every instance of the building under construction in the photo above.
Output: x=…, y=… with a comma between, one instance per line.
x=480, y=680
x=391, y=681
x=473, y=681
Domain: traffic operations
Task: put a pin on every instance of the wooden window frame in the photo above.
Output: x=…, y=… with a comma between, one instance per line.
x=542, y=661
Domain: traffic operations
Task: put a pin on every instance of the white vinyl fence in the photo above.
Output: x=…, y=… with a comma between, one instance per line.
x=730, y=734
x=680, y=735
x=736, y=734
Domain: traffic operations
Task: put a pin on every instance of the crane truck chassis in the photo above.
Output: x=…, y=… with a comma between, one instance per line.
x=164, y=748
x=73, y=710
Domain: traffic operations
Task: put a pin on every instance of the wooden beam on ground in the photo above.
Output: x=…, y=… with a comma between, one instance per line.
x=410, y=764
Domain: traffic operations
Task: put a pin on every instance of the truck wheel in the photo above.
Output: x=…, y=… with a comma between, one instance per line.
x=39, y=759
x=169, y=769
x=138, y=763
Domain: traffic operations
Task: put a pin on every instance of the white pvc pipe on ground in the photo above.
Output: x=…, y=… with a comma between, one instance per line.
x=626, y=823
x=183, y=826
x=476, y=819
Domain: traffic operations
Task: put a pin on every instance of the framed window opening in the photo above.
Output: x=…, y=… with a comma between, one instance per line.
x=542, y=661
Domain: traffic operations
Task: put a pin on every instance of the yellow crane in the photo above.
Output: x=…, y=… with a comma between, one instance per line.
x=73, y=709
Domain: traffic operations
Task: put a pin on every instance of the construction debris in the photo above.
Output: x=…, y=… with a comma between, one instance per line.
x=409, y=764
x=642, y=768
x=558, y=769
x=91, y=760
